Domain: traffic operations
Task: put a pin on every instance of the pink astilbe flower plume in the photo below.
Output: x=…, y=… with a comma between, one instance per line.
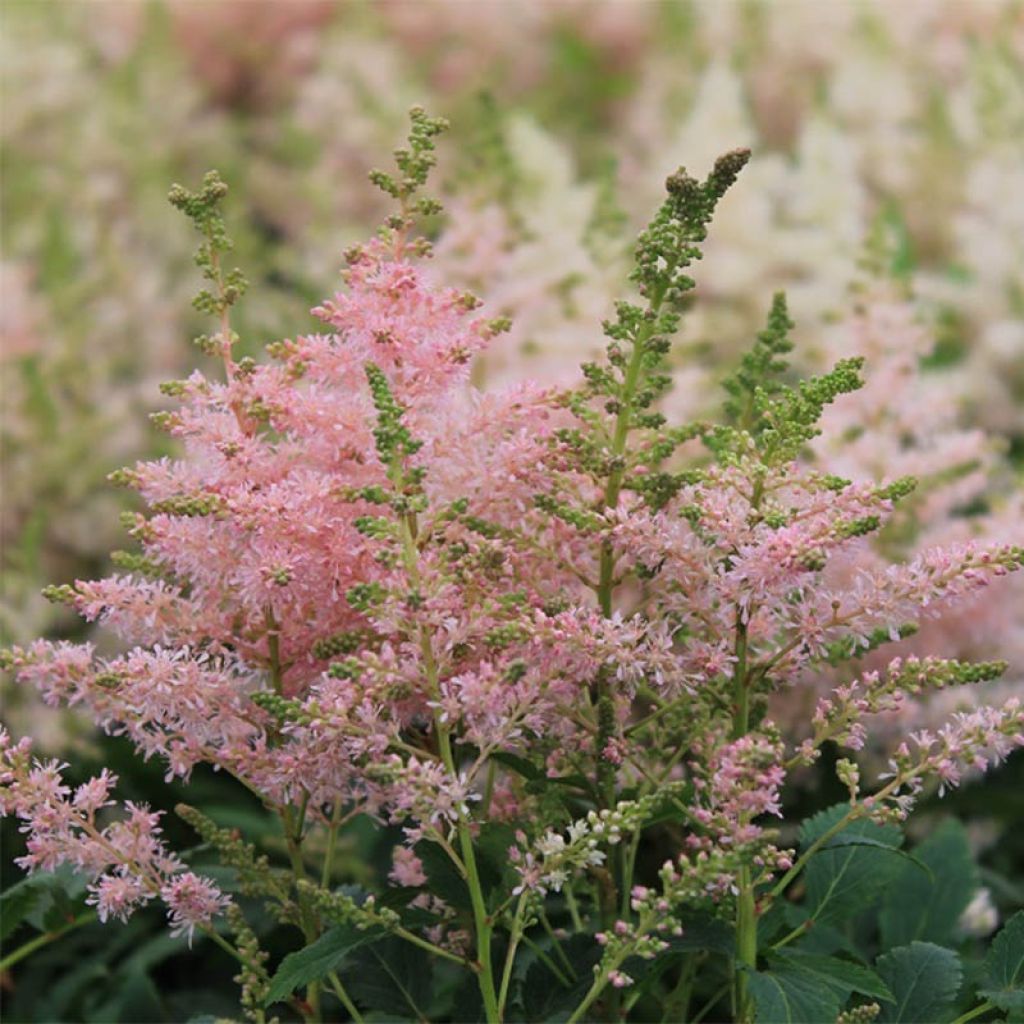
x=528, y=630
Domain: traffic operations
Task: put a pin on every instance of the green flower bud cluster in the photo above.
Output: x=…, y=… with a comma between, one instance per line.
x=255, y=875
x=139, y=564
x=754, y=382
x=252, y=977
x=394, y=442
x=203, y=209
x=858, y=527
x=583, y=519
x=414, y=163
x=347, y=642
x=189, y=505
x=345, y=909
x=364, y=596
x=863, y=1014
x=62, y=594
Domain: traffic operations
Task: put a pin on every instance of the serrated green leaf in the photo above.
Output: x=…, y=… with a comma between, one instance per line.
x=328, y=953
x=1004, y=966
x=791, y=997
x=803, y=988
x=843, y=977
x=924, y=980
x=846, y=877
x=841, y=842
x=917, y=906
x=17, y=902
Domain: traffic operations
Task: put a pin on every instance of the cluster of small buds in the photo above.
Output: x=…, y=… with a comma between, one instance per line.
x=838, y=717
x=255, y=875
x=345, y=909
x=643, y=938
x=555, y=858
x=863, y=1014
x=252, y=978
x=849, y=775
x=623, y=941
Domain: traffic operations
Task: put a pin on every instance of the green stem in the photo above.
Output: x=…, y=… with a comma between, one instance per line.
x=711, y=1003
x=592, y=993
x=746, y=910
x=346, y=999
x=274, y=649
x=574, y=910
x=510, y=956
x=481, y=920
x=555, y=944
x=332, y=839
x=44, y=939
x=746, y=943
x=307, y=920
x=628, y=868
x=799, y=930
x=976, y=1012
x=677, y=1006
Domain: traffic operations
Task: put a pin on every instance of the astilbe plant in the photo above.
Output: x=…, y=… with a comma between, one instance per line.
x=535, y=631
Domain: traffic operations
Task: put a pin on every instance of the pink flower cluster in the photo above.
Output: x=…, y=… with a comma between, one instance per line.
x=126, y=860
x=364, y=588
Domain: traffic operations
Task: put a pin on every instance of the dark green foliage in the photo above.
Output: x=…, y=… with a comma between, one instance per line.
x=924, y=980
x=847, y=879
x=1003, y=970
x=799, y=988
x=329, y=953
x=919, y=905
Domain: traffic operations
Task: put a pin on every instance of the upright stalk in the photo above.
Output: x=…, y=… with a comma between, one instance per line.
x=483, y=925
x=746, y=908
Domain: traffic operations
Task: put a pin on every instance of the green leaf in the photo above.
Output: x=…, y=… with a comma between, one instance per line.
x=393, y=977
x=328, y=953
x=841, y=842
x=701, y=932
x=17, y=902
x=492, y=845
x=443, y=877
x=842, y=977
x=917, y=906
x=544, y=997
x=527, y=769
x=1004, y=966
x=845, y=878
x=924, y=980
x=803, y=988
x=791, y=997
